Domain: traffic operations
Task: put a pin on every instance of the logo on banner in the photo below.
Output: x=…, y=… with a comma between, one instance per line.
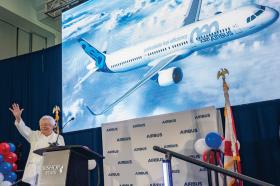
x=141, y=173
x=169, y=121
x=114, y=174
x=124, y=139
x=202, y=169
x=154, y=160
x=170, y=146
x=136, y=139
x=195, y=156
x=140, y=149
x=156, y=184
x=112, y=129
x=124, y=162
x=202, y=116
x=155, y=135
x=177, y=171
x=112, y=151
x=139, y=125
x=193, y=183
x=188, y=131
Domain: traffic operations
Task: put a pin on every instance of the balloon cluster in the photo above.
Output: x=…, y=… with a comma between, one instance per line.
x=210, y=147
x=7, y=164
x=212, y=141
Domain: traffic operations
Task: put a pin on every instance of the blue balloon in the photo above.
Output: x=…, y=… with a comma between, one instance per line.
x=10, y=176
x=213, y=140
x=12, y=147
x=1, y=158
x=5, y=167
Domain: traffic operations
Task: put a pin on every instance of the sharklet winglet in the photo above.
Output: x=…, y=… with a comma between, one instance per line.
x=89, y=109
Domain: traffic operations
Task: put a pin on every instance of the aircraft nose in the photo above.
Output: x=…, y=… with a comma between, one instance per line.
x=272, y=14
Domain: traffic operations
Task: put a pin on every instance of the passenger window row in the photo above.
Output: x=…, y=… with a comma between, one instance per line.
x=214, y=33
x=157, y=51
x=168, y=48
x=127, y=61
x=180, y=44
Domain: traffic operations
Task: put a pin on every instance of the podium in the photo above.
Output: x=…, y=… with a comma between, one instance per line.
x=65, y=165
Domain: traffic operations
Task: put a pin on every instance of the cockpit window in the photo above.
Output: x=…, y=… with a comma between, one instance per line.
x=259, y=12
x=260, y=7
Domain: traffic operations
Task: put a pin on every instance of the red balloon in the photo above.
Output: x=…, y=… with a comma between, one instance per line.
x=14, y=167
x=205, y=156
x=212, y=158
x=10, y=158
x=4, y=148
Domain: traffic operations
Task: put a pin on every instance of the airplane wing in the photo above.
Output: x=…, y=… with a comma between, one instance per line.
x=193, y=12
x=91, y=71
x=160, y=65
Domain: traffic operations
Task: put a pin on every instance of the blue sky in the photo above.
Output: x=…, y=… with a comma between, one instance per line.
x=252, y=61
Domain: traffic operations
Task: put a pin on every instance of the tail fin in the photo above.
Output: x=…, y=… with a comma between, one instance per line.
x=97, y=56
x=193, y=12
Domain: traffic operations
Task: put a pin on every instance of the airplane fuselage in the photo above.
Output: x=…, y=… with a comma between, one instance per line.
x=202, y=34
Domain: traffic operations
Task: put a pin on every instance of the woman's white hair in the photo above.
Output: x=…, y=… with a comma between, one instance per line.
x=52, y=121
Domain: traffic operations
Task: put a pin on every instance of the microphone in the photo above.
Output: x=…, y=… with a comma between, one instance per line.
x=68, y=122
x=55, y=143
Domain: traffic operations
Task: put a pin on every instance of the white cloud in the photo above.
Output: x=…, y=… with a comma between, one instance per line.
x=256, y=45
x=231, y=48
x=73, y=109
x=160, y=110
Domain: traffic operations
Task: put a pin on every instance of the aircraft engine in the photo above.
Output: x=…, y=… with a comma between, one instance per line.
x=169, y=76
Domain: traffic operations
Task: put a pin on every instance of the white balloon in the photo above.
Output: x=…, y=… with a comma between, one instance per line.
x=6, y=183
x=200, y=146
x=1, y=177
x=238, y=145
x=91, y=164
x=222, y=146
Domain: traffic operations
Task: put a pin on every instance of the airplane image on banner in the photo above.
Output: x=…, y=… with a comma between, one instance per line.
x=160, y=51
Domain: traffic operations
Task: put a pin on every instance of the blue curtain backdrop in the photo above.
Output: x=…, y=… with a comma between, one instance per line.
x=257, y=128
x=34, y=81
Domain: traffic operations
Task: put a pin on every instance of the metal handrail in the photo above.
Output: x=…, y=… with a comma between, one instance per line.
x=211, y=167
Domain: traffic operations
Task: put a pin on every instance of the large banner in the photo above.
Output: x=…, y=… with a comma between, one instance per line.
x=128, y=148
x=126, y=59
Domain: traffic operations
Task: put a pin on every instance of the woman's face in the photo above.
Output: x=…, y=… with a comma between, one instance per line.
x=46, y=127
